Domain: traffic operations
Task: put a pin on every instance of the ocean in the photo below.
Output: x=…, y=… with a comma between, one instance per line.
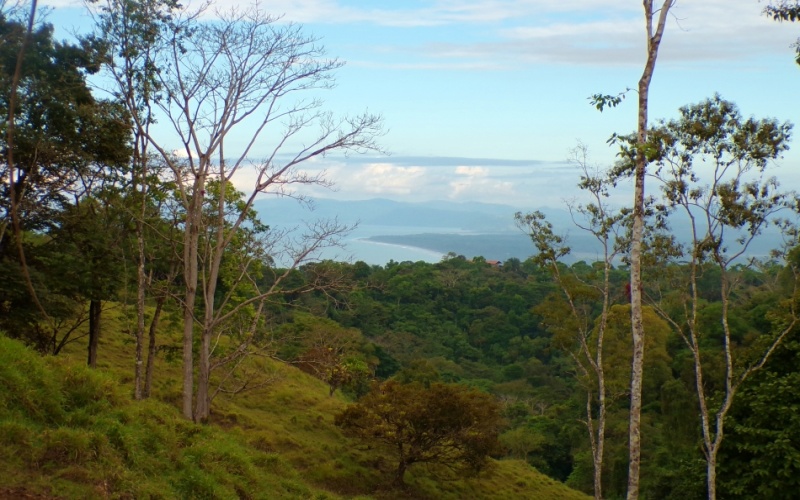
x=357, y=247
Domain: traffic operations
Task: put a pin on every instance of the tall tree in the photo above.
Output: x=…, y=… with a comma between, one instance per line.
x=655, y=32
x=60, y=145
x=655, y=22
x=131, y=34
x=10, y=172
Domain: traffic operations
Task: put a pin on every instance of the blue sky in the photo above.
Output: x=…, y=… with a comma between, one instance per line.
x=483, y=99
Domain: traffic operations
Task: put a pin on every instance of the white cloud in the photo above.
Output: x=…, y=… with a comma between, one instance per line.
x=381, y=179
x=472, y=171
x=486, y=190
x=554, y=31
x=482, y=183
x=699, y=31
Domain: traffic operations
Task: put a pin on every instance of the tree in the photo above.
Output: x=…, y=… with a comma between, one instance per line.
x=571, y=313
x=240, y=72
x=711, y=165
x=444, y=424
x=130, y=34
x=60, y=147
x=761, y=456
x=655, y=22
x=637, y=326
x=63, y=136
x=786, y=10
x=86, y=254
x=328, y=351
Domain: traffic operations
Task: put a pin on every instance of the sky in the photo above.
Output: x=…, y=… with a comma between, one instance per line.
x=483, y=99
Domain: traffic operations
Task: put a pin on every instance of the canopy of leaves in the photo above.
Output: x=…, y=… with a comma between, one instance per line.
x=443, y=424
x=64, y=138
x=762, y=457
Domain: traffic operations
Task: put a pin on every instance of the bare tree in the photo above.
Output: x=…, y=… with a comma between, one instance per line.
x=247, y=72
x=130, y=32
x=580, y=332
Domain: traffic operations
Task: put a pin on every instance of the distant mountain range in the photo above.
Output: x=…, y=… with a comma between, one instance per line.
x=467, y=228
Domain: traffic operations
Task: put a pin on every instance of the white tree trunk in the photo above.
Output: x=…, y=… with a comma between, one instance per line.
x=637, y=327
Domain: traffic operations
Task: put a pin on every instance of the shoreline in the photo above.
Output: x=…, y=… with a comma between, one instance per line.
x=432, y=255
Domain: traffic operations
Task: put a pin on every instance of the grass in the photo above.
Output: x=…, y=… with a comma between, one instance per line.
x=71, y=432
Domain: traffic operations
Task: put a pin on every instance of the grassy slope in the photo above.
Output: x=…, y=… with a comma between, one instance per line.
x=71, y=432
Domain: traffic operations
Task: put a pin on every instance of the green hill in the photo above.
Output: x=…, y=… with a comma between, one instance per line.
x=71, y=432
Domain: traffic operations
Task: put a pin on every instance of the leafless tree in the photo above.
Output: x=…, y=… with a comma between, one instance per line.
x=575, y=327
x=241, y=79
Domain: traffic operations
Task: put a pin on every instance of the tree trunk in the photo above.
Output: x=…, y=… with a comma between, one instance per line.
x=151, y=348
x=711, y=471
x=140, y=163
x=210, y=277
x=601, y=385
x=637, y=327
x=188, y=354
x=191, y=242
x=15, y=197
x=600, y=444
x=138, y=391
x=400, y=474
x=95, y=310
x=202, y=404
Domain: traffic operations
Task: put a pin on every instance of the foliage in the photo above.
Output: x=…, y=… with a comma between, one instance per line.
x=329, y=352
x=65, y=140
x=602, y=101
x=69, y=155
x=711, y=164
x=442, y=424
x=761, y=457
x=509, y=331
x=786, y=10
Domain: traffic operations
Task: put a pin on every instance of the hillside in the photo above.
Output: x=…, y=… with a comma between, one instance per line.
x=70, y=432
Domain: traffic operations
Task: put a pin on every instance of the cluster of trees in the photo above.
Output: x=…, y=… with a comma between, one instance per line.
x=673, y=150
x=98, y=203
x=526, y=336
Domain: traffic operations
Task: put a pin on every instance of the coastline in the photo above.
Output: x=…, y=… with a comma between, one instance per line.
x=380, y=253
